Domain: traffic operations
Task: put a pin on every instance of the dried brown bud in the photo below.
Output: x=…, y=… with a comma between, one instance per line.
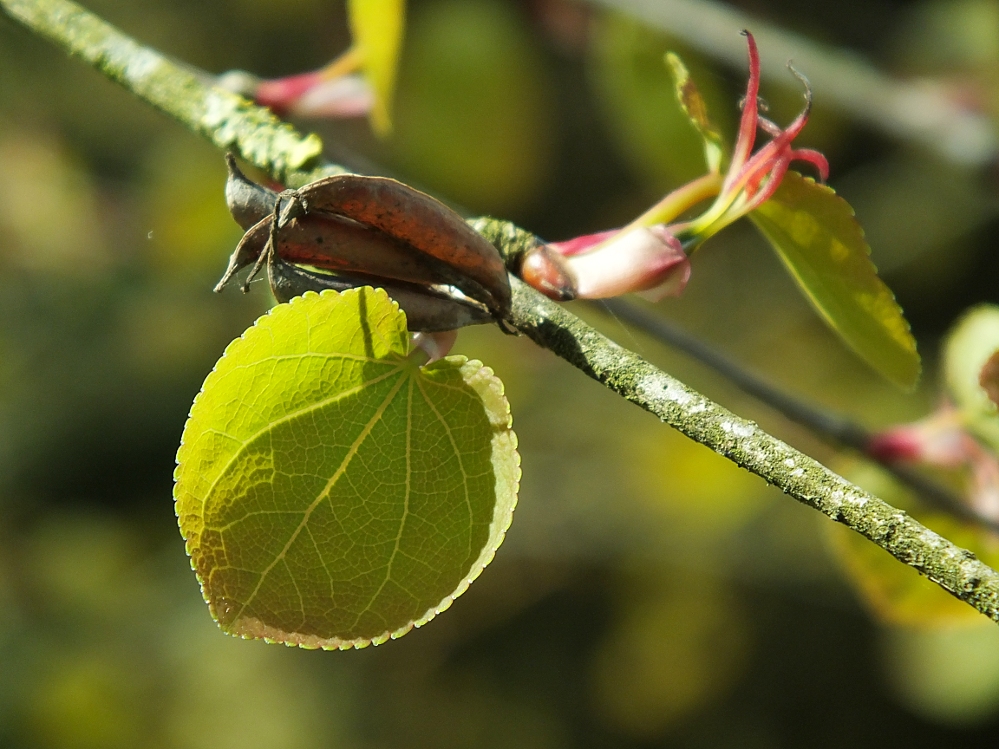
x=248, y=202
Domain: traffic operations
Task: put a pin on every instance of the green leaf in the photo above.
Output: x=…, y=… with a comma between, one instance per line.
x=692, y=104
x=333, y=493
x=820, y=242
x=970, y=346
x=377, y=27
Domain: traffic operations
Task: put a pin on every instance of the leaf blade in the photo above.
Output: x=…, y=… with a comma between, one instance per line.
x=319, y=466
x=820, y=242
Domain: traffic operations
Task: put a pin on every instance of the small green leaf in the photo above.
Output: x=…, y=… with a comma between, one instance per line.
x=970, y=346
x=377, y=27
x=820, y=242
x=692, y=104
x=333, y=493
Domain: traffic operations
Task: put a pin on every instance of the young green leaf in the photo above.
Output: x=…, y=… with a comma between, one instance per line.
x=968, y=351
x=377, y=28
x=969, y=347
x=820, y=242
x=692, y=104
x=332, y=492
x=640, y=103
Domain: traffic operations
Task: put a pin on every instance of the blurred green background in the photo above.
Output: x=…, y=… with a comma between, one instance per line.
x=648, y=593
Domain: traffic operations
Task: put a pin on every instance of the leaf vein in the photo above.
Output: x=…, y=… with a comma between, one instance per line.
x=323, y=494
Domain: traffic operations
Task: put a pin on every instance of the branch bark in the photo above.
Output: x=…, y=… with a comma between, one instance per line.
x=235, y=124
x=833, y=428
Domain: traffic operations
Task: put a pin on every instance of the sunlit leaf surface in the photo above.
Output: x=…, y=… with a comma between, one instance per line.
x=377, y=27
x=333, y=493
x=815, y=233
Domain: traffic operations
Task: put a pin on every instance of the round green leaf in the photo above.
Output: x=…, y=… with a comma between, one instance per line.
x=820, y=242
x=332, y=492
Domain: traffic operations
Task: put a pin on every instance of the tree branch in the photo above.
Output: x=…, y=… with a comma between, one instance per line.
x=831, y=427
x=233, y=123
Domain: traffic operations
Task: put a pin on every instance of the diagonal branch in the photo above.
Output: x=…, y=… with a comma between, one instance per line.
x=233, y=123
x=833, y=428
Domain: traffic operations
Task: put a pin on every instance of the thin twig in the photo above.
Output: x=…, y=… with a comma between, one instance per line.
x=834, y=428
x=172, y=89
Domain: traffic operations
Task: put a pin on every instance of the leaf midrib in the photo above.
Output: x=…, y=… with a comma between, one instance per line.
x=324, y=494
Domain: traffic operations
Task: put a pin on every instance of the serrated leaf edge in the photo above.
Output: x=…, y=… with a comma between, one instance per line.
x=867, y=253
x=253, y=629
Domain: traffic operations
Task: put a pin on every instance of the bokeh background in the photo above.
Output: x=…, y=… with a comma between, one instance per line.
x=648, y=593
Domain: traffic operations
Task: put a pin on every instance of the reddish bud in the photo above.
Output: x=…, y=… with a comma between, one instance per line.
x=547, y=271
x=938, y=440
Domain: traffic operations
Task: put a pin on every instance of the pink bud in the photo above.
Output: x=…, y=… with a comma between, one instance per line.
x=985, y=484
x=308, y=95
x=339, y=98
x=942, y=440
x=315, y=95
x=938, y=440
x=642, y=259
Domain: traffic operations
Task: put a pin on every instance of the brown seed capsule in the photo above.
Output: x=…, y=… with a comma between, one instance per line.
x=417, y=219
x=368, y=225
x=340, y=245
x=545, y=270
